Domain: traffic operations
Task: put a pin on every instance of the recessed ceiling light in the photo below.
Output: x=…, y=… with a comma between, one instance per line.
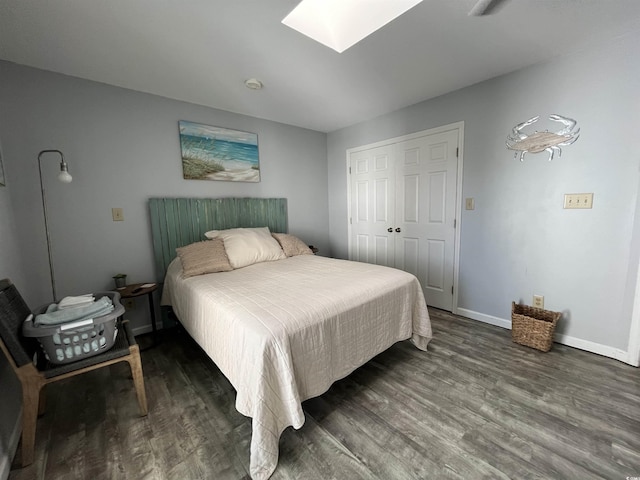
x=253, y=84
x=339, y=24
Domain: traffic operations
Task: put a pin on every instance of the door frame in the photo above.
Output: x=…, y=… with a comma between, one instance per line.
x=458, y=198
x=633, y=349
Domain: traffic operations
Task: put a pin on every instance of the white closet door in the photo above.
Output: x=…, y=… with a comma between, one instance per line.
x=372, y=206
x=410, y=219
x=425, y=213
x=403, y=204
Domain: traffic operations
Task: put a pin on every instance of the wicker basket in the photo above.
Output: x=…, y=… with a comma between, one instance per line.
x=533, y=327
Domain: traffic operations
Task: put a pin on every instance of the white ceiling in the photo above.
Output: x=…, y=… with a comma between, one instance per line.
x=202, y=51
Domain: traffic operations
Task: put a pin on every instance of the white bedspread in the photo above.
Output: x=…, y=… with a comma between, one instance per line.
x=284, y=331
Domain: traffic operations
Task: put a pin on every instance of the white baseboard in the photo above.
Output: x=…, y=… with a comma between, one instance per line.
x=142, y=330
x=7, y=459
x=574, y=342
x=498, y=322
x=592, y=347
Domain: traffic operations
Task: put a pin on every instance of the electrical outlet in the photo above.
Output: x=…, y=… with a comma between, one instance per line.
x=538, y=301
x=117, y=214
x=578, y=200
x=129, y=304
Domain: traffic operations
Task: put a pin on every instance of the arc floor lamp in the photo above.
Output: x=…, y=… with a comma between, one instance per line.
x=63, y=177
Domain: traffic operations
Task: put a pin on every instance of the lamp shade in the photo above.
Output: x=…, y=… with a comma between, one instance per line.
x=65, y=177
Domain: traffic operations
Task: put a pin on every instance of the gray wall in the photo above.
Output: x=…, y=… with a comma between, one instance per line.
x=122, y=148
x=10, y=267
x=519, y=241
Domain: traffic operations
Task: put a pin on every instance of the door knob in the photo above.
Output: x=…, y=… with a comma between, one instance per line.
x=389, y=229
x=398, y=230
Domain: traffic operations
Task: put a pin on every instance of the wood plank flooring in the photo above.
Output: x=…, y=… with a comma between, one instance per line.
x=474, y=406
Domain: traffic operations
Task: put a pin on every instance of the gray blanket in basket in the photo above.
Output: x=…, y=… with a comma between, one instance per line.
x=56, y=316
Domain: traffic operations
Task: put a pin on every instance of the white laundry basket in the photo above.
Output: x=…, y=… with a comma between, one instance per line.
x=72, y=341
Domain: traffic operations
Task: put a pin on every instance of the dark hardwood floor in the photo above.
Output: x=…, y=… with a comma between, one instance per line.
x=474, y=406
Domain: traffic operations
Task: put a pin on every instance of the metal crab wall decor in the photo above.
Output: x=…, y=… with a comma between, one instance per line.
x=547, y=141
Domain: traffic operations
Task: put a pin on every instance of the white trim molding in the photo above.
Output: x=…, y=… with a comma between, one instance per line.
x=574, y=342
x=481, y=317
x=142, y=330
x=634, y=329
x=592, y=347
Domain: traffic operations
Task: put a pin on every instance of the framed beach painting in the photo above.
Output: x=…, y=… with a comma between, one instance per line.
x=215, y=153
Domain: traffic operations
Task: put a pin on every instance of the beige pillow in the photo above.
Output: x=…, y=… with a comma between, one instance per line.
x=246, y=246
x=211, y=234
x=292, y=245
x=204, y=257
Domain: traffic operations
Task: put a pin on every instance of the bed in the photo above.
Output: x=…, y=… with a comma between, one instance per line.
x=282, y=331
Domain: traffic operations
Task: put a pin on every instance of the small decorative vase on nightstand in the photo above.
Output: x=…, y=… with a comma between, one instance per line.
x=121, y=280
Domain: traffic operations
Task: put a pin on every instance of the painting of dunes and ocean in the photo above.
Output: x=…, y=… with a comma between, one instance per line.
x=215, y=153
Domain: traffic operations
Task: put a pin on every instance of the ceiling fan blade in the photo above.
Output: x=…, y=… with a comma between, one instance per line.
x=482, y=7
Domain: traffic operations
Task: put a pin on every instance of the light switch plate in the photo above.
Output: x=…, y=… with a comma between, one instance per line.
x=117, y=214
x=578, y=200
x=469, y=204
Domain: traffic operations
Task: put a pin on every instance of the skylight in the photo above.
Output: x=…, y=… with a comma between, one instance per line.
x=340, y=24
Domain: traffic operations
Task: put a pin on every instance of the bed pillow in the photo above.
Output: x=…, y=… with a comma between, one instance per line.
x=246, y=246
x=292, y=245
x=204, y=257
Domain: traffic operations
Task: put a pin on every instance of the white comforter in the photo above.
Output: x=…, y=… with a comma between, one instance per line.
x=284, y=331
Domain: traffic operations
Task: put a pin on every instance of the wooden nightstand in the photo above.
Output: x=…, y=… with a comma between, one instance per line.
x=138, y=290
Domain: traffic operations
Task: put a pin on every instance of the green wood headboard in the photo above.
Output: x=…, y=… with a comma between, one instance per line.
x=176, y=222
